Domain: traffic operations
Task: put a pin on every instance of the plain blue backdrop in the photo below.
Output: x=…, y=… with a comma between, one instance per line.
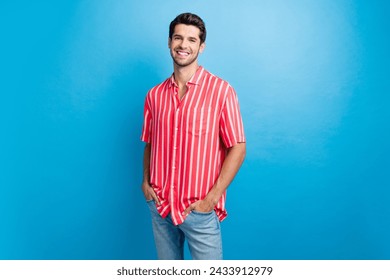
x=313, y=83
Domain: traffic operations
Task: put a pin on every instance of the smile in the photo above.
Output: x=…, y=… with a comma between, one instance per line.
x=183, y=53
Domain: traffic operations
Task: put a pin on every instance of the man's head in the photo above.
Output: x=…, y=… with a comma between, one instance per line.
x=187, y=35
x=189, y=19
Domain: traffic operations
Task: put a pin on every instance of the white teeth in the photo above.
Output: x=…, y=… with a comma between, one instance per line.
x=182, y=53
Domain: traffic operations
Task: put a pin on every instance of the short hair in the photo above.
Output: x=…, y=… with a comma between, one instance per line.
x=189, y=19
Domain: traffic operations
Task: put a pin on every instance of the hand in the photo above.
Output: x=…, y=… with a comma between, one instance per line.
x=149, y=193
x=203, y=205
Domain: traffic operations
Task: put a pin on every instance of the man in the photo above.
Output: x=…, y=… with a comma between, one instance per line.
x=195, y=145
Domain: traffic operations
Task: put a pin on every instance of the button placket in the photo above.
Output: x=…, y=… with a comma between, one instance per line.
x=174, y=174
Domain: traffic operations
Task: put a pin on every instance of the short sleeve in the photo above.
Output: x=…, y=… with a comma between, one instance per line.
x=231, y=125
x=147, y=125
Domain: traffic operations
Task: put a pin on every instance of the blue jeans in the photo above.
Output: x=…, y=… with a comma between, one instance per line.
x=202, y=230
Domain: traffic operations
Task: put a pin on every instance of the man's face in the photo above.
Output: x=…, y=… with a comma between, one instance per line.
x=185, y=44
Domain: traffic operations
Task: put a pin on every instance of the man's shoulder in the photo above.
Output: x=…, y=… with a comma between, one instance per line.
x=216, y=79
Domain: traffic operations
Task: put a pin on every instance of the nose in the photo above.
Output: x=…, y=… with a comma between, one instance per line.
x=184, y=44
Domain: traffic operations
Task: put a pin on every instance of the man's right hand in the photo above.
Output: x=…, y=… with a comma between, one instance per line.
x=149, y=192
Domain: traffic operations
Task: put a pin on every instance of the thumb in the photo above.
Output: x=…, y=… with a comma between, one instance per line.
x=155, y=198
x=188, y=210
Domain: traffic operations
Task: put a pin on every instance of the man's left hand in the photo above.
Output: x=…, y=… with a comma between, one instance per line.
x=200, y=206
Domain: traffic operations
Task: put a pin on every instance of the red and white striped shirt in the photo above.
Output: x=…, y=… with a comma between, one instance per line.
x=189, y=139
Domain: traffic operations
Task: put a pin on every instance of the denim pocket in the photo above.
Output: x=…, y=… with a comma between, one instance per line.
x=202, y=220
x=151, y=205
x=202, y=213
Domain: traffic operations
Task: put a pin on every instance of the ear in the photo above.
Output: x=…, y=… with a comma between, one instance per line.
x=202, y=46
x=169, y=42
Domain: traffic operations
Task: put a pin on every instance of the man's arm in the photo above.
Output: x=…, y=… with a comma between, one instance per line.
x=230, y=167
x=146, y=187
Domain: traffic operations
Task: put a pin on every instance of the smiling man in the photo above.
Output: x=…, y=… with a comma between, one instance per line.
x=195, y=145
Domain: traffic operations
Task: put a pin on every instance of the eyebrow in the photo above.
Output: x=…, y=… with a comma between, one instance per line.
x=178, y=35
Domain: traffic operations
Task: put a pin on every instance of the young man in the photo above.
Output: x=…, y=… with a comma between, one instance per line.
x=195, y=145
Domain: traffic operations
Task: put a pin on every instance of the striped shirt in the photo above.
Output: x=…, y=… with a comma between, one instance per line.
x=189, y=139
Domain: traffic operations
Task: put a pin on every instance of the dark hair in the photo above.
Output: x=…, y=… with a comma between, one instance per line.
x=189, y=19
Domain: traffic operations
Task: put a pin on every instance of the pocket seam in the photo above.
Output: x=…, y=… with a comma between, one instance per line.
x=202, y=213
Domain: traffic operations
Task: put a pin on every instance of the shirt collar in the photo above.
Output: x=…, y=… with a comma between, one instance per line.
x=196, y=79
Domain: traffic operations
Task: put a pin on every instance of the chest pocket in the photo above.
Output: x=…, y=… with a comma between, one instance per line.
x=199, y=121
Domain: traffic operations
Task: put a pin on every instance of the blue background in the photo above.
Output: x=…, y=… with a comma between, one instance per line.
x=313, y=84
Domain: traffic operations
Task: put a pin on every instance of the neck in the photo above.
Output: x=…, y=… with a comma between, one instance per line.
x=184, y=74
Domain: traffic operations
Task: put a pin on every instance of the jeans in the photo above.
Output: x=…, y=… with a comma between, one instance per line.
x=202, y=230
